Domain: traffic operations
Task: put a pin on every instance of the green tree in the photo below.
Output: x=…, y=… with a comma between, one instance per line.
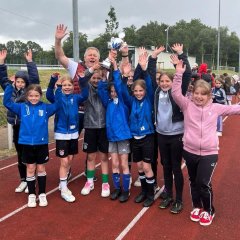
x=111, y=23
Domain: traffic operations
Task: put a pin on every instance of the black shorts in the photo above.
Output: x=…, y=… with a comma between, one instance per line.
x=35, y=154
x=66, y=147
x=143, y=149
x=95, y=140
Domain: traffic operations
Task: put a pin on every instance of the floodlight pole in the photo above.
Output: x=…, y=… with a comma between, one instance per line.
x=166, y=30
x=218, y=48
x=75, y=31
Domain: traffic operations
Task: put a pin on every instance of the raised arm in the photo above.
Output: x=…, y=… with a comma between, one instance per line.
x=51, y=86
x=143, y=61
x=61, y=32
x=178, y=48
x=8, y=102
x=152, y=65
x=177, y=82
x=3, y=69
x=32, y=68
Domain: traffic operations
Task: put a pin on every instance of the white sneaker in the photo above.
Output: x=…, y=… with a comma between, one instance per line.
x=219, y=134
x=88, y=187
x=66, y=194
x=26, y=190
x=105, y=190
x=137, y=183
x=42, y=200
x=32, y=201
x=21, y=187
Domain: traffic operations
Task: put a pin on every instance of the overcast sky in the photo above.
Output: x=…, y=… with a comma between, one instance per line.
x=36, y=20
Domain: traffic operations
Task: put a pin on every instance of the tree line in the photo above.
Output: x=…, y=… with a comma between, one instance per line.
x=199, y=40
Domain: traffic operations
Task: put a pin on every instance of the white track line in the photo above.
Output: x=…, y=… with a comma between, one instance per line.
x=8, y=166
x=141, y=213
x=50, y=192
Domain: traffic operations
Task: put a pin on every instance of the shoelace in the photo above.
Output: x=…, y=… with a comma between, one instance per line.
x=205, y=215
x=105, y=186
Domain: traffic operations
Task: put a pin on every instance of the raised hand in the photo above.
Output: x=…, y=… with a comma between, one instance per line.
x=174, y=59
x=141, y=50
x=112, y=57
x=3, y=55
x=61, y=32
x=180, y=67
x=143, y=60
x=124, y=49
x=112, y=54
x=157, y=51
x=28, y=55
x=178, y=47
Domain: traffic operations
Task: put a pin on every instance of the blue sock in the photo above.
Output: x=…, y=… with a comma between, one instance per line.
x=126, y=182
x=116, y=180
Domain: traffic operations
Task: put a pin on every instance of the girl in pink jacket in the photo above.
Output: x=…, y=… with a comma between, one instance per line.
x=200, y=142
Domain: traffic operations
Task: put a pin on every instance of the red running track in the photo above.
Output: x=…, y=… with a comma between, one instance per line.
x=94, y=217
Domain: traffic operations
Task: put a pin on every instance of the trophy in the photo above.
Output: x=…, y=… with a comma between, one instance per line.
x=117, y=44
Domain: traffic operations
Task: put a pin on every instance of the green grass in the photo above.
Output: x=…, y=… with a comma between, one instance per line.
x=44, y=80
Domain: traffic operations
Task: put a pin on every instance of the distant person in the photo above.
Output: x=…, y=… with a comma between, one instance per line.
x=21, y=81
x=204, y=74
x=219, y=96
x=34, y=115
x=229, y=89
x=200, y=142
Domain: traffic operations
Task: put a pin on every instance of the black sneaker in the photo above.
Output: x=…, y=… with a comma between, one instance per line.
x=166, y=203
x=163, y=194
x=115, y=194
x=148, y=202
x=124, y=196
x=140, y=197
x=177, y=207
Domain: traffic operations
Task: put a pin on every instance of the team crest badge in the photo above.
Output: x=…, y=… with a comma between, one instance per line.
x=61, y=152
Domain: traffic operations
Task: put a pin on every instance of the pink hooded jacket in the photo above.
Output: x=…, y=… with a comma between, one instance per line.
x=200, y=123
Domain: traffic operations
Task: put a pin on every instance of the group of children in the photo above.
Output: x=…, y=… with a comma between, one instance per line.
x=119, y=122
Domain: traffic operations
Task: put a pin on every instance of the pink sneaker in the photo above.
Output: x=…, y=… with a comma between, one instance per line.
x=206, y=218
x=88, y=187
x=105, y=190
x=195, y=214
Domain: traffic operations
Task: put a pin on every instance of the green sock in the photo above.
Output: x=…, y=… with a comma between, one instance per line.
x=105, y=178
x=90, y=173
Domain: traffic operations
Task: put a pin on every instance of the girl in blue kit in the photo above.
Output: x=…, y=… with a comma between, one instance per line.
x=118, y=132
x=142, y=130
x=66, y=125
x=33, y=136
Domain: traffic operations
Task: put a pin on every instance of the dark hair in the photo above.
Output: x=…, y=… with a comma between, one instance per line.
x=110, y=85
x=34, y=87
